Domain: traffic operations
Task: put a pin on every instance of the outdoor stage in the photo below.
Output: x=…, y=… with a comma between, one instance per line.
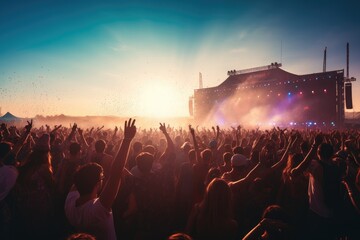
x=268, y=95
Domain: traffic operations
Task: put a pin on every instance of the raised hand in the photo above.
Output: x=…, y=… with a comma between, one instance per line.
x=129, y=129
x=99, y=128
x=56, y=127
x=192, y=131
x=239, y=128
x=74, y=127
x=29, y=126
x=162, y=127
x=293, y=137
x=318, y=139
x=80, y=131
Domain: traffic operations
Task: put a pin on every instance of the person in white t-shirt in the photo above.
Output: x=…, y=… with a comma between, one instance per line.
x=85, y=209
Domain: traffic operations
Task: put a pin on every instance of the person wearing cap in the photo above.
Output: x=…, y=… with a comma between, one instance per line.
x=239, y=168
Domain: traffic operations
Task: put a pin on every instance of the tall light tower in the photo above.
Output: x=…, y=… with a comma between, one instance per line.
x=324, y=63
x=200, y=81
x=348, y=80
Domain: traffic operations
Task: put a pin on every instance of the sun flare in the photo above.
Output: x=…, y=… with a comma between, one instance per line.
x=158, y=100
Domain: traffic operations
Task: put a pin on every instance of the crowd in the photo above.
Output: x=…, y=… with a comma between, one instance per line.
x=174, y=183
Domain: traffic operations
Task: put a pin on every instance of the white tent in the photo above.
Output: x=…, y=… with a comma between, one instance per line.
x=9, y=118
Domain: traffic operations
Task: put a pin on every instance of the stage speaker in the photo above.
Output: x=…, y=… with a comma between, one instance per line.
x=348, y=96
x=191, y=107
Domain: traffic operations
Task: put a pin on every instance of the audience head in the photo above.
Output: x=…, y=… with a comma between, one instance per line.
x=81, y=236
x=278, y=215
x=305, y=147
x=206, y=155
x=238, y=150
x=186, y=147
x=87, y=177
x=43, y=143
x=239, y=161
x=212, y=144
x=100, y=146
x=212, y=174
x=149, y=149
x=137, y=147
x=179, y=236
x=177, y=141
x=227, y=148
x=325, y=152
x=144, y=161
x=217, y=200
x=74, y=149
x=227, y=157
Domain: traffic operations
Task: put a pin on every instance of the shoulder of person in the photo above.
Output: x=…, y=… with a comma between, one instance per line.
x=314, y=165
x=11, y=168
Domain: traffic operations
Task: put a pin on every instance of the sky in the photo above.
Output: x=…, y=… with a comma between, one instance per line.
x=143, y=58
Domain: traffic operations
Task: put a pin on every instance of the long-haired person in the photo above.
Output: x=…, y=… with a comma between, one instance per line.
x=35, y=192
x=212, y=217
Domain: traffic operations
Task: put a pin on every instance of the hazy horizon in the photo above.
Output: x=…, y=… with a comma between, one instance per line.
x=140, y=58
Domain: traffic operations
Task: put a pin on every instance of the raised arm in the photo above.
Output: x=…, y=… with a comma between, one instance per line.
x=217, y=133
x=256, y=148
x=291, y=143
x=237, y=135
x=170, y=144
x=196, y=147
x=23, y=138
x=99, y=129
x=82, y=138
x=56, y=128
x=113, y=138
x=311, y=154
x=254, y=173
x=111, y=187
x=71, y=135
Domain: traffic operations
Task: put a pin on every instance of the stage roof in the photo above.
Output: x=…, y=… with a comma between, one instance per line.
x=269, y=75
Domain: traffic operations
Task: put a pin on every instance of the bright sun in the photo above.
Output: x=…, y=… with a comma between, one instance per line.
x=158, y=100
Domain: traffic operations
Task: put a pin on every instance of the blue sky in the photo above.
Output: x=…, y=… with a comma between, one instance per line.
x=143, y=57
